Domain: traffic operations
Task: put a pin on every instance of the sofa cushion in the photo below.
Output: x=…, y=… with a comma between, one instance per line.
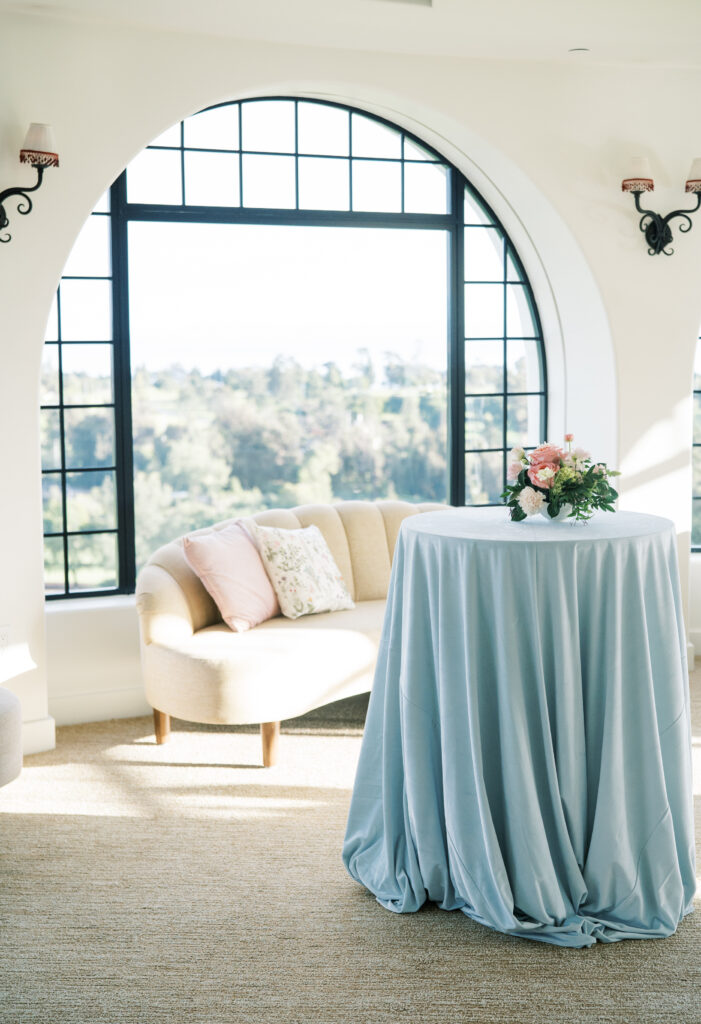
x=230, y=567
x=301, y=569
x=281, y=669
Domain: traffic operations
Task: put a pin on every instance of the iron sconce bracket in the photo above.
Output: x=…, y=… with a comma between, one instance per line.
x=656, y=229
x=24, y=205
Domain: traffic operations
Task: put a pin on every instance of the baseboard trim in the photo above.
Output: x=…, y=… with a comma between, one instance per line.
x=38, y=735
x=100, y=706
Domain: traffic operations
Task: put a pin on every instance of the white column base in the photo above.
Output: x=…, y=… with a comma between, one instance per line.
x=38, y=735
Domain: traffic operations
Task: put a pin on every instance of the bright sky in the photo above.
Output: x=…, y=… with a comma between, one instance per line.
x=216, y=296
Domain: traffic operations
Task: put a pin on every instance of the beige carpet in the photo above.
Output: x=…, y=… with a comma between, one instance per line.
x=182, y=884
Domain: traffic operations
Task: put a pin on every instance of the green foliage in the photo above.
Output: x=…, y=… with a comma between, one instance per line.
x=208, y=447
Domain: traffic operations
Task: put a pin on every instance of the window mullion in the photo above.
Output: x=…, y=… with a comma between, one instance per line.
x=122, y=387
x=456, y=345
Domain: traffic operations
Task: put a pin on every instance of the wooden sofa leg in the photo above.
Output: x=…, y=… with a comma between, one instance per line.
x=161, y=726
x=270, y=734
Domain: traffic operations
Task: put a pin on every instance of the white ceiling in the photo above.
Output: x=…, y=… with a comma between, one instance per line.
x=666, y=32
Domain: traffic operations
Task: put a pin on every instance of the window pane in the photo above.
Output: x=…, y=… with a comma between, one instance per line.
x=523, y=365
x=86, y=310
x=52, y=502
x=170, y=137
x=50, y=429
x=484, y=366
x=519, y=322
x=474, y=211
x=484, y=478
x=697, y=367
x=89, y=438
x=91, y=501
x=319, y=371
x=484, y=424
x=87, y=374
x=412, y=151
x=52, y=322
x=154, y=176
x=48, y=393
x=696, y=470
x=211, y=179
x=323, y=184
x=425, y=188
x=213, y=129
x=268, y=126
x=523, y=421
x=90, y=256
x=92, y=562
x=484, y=254
x=370, y=138
x=322, y=129
x=484, y=311
x=269, y=181
x=377, y=186
x=697, y=419
x=54, y=580
x=512, y=270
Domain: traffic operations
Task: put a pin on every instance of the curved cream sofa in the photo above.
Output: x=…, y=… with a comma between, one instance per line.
x=196, y=669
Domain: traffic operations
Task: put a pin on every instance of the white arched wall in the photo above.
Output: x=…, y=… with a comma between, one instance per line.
x=522, y=131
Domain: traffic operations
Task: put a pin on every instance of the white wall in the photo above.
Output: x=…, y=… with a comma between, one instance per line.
x=92, y=650
x=546, y=143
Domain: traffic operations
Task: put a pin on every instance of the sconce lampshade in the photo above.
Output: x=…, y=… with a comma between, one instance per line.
x=693, y=183
x=641, y=179
x=39, y=147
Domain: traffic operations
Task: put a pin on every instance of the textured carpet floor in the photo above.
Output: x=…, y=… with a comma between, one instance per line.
x=182, y=884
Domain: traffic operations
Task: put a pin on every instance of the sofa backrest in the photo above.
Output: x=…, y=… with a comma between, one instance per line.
x=360, y=534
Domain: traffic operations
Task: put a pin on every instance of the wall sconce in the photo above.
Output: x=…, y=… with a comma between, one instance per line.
x=656, y=229
x=38, y=149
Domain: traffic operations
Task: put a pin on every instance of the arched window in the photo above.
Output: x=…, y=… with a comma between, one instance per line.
x=279, y=301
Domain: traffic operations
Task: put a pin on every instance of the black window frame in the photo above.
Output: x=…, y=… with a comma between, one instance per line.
x=122, y=213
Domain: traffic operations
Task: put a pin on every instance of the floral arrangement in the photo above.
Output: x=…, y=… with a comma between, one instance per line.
x=557, y=483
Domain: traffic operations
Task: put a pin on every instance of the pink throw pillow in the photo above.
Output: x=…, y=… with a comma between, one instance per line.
x=228, y=563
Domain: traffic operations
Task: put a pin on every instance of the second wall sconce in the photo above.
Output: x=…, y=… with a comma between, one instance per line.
x=38, y=149
x=656, y=229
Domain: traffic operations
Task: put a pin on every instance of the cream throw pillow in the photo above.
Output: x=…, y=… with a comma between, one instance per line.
x=302, y=570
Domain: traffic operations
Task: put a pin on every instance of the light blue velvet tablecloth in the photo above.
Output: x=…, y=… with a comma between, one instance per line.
x=527, y=754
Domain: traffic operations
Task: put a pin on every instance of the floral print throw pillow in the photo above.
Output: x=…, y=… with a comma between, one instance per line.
x=302, y=570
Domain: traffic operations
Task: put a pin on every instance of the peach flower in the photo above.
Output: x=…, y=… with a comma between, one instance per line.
x=543, y=474
x=546, y=453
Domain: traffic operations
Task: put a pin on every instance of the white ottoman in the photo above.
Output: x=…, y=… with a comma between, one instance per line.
x=10, y=736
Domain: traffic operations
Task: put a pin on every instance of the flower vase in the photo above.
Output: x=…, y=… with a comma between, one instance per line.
x=561, y=516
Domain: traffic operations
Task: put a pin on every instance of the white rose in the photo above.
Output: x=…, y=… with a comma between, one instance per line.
x=517, y=455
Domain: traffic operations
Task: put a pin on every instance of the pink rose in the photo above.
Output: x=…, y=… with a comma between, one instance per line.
x=543, y=474
x=514, y=470
x=546, y=453
x=569, y=438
